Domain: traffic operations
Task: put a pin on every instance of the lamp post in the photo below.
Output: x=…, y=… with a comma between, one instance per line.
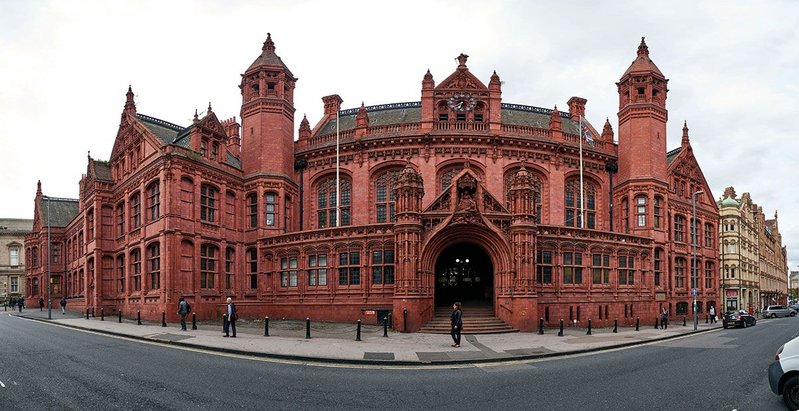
x=49, y=260
x=693, y=262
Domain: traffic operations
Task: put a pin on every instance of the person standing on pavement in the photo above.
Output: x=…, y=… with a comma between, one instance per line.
x=20, y=303
x=63, y=305
x=183, y=311
x=664, y=319
x=712, y=314
x=232, y=316
x=41, y=304
x=457, y=324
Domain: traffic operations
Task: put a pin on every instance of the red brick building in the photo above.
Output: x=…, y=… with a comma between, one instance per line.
x=458, y=196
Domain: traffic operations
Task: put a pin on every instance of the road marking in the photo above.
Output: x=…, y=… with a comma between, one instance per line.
x=2, y=385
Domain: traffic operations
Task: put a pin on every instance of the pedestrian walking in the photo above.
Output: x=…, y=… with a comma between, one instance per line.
x=20, y=304
x=63, y=305
x=41, y=304
x=664, y=319
x=232, y=316
x=183, y=311
x=457, y=324
x=712, y=314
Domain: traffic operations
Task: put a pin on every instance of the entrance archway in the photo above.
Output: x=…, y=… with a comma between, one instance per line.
x=464, y=272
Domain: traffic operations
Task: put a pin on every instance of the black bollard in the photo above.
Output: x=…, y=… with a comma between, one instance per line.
x=405, y=320
x=560, y=333
x=87, y=313
x=119, y=316
x=390, y=322
x=615, y=326
x=385, y=326
x=93, y=313
x=307, y=327
x=637, y=322
x=683, y=321
x=163, y=319
x=589, y=327
x=138, y=317
x=266, y=326
x=193, y=321
x=102, y=314
x=656, y=323
x=707, y=319
x=358, y=331
x=540, y=326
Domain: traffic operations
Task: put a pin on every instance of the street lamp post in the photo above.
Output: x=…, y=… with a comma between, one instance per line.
x=693, y=262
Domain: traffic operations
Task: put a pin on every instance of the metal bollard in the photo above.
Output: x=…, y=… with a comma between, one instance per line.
x=138, y=317
x=224, y=321
x=102, y=314
x=656, y=323
x=589, y=327
x=540, y=326
x=358, y=331
x=163, y=319
x=637, y=322
x=560, y=333
x=307, y=327
x=119, y=316
x=385, y=326
x=87, y=313
x=683, y=321
x=707, y=319
x=615, y=326
x=390, y=322
x=266, y=326
x=405, y=320
x=193, y=321
x=93, y=316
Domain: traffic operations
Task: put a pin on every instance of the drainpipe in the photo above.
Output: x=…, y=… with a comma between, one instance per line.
x=300, y=165
x=611, y=167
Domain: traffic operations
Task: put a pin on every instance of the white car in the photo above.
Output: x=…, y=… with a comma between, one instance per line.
x=783, y=374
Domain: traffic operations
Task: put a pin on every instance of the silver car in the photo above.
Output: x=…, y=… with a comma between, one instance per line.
x=774, y=311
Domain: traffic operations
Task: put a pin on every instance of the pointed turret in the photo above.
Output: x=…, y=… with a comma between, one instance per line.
x=685, y=140
x=305, y=128
x=642, y=62
x=494, y=84
x=130, y=105
x=428, y=82
x=39, y=188
x=555, y=121
x=607, y=131
x=361, y=122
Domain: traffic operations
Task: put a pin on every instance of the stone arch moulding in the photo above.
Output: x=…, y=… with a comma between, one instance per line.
x=490, y=240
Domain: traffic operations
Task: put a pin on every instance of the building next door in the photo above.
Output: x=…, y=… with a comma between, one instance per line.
x=464, y=273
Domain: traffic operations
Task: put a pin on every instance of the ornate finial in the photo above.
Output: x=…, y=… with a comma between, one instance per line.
x=89, y=155
x=130, y=105
x=642, y=48
x=494, y=76
x=39, y=187
x=462, y=60
x=607, y=131
x=209, y=108
x=196, y=116
x=269, y=45
x=775, y=214
x=428, y=76
x=685, y=138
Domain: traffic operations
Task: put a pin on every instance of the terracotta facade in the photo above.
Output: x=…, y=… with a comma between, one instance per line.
x=458, y=196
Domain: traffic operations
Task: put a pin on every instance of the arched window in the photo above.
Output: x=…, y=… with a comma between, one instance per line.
x=270, y=209
x=658, y=211
x=679, y=228
x=446, y=177
x=121, y=273
x=252, y=209
x=640, y=210
x=384, y=196
x=154, y=265
x=679, y=273
x=208, y=263
x=153, y=201
x=209, y=195
x=709, y=270
x=90, y=224
x=135, y=211
x=574, y=203
x=537, y=187
x=35, y=257
x=709, y=232
x=120, y=219
x=326, y=201
x=135, y=269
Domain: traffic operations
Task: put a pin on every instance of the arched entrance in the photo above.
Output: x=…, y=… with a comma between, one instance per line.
x=463, y=272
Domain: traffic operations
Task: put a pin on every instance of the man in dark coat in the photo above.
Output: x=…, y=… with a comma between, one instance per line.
x=457, y=324
x=20, y=303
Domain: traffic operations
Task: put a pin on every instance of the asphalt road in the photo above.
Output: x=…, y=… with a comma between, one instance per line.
x=48, y=367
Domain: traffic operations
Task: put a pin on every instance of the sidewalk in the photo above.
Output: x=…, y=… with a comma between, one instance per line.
x=335, y=342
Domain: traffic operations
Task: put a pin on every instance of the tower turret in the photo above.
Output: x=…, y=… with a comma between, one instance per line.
x=267, y=114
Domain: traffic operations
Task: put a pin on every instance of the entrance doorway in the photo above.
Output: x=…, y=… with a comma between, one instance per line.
x=464, y=273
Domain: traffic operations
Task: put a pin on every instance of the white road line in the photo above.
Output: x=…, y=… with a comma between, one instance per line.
x=2, y=385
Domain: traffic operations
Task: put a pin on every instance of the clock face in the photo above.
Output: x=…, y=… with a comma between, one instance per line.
x=461, y=102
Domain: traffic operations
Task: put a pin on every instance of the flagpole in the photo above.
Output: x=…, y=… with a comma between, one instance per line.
x=338, y=181
x=582, y=196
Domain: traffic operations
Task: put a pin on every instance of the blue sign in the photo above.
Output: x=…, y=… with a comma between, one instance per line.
x=693, y=292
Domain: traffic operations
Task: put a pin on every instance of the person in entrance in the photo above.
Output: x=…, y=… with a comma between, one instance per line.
x=457, y=324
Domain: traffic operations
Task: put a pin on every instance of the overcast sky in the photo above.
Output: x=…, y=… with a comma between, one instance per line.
x=65, y=67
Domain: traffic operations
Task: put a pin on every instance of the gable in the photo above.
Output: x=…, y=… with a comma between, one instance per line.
x=683, y=165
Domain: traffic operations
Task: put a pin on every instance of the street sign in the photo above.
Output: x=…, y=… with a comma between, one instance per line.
x=693, y=292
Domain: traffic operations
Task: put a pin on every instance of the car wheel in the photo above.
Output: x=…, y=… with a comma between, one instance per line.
x=744, y=323
x=790, y=393
x=793, y=313
x=754, y=322
x=773, y=315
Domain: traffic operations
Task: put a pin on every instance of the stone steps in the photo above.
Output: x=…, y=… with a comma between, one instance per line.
x=477, y=320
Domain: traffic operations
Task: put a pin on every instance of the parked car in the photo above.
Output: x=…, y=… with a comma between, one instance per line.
x=783, y=374
x=774, y=311
x=734, y=319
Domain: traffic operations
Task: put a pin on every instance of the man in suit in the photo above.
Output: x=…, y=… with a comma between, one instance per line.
x=232, y=316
